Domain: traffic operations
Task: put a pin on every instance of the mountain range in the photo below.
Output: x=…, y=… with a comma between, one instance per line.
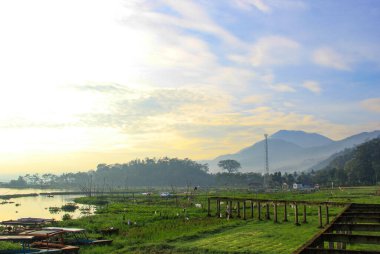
x=291, y=150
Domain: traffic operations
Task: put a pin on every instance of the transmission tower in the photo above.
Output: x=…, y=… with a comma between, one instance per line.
x=266, y=161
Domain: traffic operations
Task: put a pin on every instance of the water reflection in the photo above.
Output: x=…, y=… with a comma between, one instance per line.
x=38, y=206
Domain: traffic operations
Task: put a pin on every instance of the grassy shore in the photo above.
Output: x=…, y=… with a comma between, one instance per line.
x=151, y=224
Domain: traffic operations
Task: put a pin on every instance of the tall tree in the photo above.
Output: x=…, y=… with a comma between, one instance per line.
x=231, y=166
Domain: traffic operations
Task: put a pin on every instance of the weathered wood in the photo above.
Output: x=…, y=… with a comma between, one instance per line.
x=275, y=213
x=345, y=238
x=300, y=202
x=304, y=214
x=208, y=207
x=339, y=245
x=337, y=251
x=258, y=210
x=356, y=227
x=267, y=215
x=230, y=208
x=358, y=219
x=317, y=241
x=320, y=216
x=363, y=213
x=238, y=209
x=327, y=215
x=285, y=212
x=252, y=206
x=244, y=212
x=364, y=206
x=296, y=215
x=218, y=208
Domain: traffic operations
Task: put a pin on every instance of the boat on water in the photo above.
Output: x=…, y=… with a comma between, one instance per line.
x=25, y=245
x=49, y=239
x=16, y=226
x=78, y=236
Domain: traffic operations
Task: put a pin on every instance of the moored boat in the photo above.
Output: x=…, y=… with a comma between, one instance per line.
x=78, y=236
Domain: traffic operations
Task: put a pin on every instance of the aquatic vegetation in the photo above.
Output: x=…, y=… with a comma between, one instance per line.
x=54, y=209
x=69, y=207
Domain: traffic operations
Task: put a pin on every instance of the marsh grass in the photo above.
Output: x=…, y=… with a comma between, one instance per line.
x=174, y=225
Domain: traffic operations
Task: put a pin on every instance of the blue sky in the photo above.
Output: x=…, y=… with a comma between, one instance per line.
x=104, y=81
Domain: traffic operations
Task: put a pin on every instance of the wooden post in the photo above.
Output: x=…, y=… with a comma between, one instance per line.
x=331, y=244
x=344, y=245
x=238, y=209
x=208, y=207
x=230, y=208
x=296, y=215
x=218, y=208
x=267, y=216
x=304, y=214
x=244, y=213
x=327, y=215
x=320, y=216
x=259, y=210
x=339, y=245
x=275, y=213
x=251, y=209
x=285, y=212
x=320, y=245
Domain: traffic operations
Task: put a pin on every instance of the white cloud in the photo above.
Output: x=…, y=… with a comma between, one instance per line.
x=312, y=86
x=194, y=17
x=269, y=6
x=288, y=104
x=288, y=5
x=372, y=104
x=329, y=57
x=282, y=87
x=146, y=74
x=255, y=99
x=249, y=4
x=274, y=50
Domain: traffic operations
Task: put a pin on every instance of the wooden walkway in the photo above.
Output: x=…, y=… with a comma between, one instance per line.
x=260, y=208
x=356, y=224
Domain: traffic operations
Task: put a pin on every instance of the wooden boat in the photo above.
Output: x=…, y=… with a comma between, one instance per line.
x=78, y=236
x=25, y=245
x=50, y=239
x=27, y=221
x=14, y=227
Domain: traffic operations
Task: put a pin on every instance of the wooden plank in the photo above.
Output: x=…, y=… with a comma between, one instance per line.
x=346, y=238
x=363, y=213
x=360, y=219
x=338, y=251
x=356, y=227
x=317, y=239
x=208, y=207
x=283, y=201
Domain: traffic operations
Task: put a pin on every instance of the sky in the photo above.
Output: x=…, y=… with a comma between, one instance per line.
x=85, y=82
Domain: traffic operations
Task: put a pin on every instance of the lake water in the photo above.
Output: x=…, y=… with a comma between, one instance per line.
x=37, y=206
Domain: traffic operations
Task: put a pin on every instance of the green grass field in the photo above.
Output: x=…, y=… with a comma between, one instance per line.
x=159, y=225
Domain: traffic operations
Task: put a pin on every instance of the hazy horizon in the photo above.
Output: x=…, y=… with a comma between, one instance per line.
x=107, y=81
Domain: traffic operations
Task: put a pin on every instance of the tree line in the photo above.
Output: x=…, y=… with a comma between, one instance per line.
x=357, y=166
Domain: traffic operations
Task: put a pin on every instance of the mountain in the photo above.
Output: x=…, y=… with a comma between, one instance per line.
x=325, y=163
x=357, y=166
x=302, y=138
x=291, y=151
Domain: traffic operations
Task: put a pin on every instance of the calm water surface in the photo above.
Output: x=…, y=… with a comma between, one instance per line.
x=37, y=206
